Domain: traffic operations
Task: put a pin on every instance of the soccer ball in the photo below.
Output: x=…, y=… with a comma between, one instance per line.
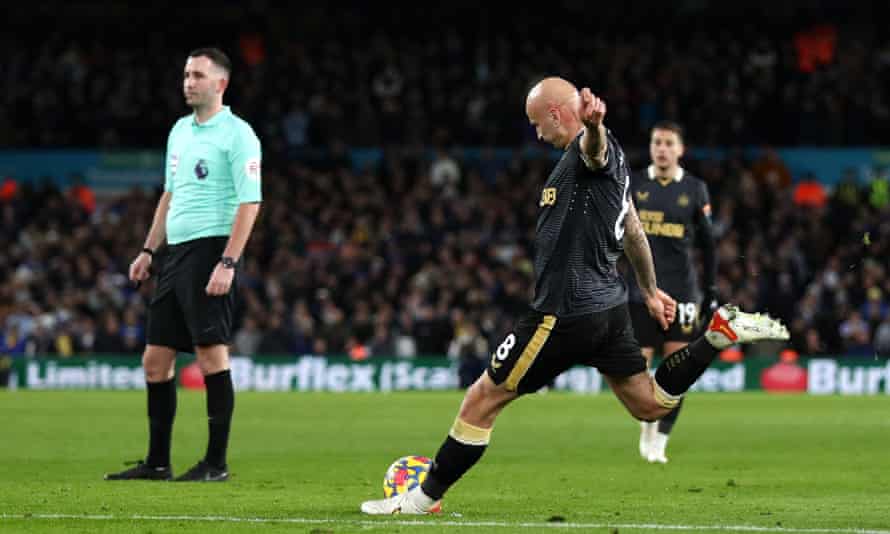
x=405, y=474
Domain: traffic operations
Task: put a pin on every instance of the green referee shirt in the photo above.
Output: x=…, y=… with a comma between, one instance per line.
x=211, y=169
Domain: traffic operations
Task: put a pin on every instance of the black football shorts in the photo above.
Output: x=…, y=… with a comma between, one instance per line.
x=181, y=314
x=685, y=327
x=542, y=346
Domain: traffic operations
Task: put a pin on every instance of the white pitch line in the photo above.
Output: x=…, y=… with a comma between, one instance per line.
x=446, y=523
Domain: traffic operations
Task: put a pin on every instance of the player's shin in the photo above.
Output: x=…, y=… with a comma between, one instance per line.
x=680, y=370
x=462, y=448
x=161, y=412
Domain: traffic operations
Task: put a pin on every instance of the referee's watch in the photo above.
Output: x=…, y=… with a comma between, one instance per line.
x=227, y=262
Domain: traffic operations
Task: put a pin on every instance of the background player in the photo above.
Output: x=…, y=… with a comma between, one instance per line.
x=211, y=199
x=675, y=210
x=579, y=312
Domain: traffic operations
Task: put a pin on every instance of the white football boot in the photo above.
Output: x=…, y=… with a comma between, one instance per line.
x=647, y=432
x=730, y=325
x=657, y=448
x=414, y=502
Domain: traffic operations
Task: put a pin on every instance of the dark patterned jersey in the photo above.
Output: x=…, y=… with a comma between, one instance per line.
x=671, y=211
x=579, y=234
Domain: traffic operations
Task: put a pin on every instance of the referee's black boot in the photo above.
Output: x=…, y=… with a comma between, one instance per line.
x=142, y=471
x=204, y=472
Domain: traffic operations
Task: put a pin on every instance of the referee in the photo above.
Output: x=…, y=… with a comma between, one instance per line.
x=211, y=199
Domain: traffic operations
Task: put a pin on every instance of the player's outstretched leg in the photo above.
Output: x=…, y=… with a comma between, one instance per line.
x=728, y=326
x=463, y=447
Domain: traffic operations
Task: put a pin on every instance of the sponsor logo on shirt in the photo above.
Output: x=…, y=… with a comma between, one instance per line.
x=548, y=197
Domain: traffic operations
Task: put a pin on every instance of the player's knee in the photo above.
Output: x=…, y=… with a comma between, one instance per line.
x=212, y=359
x=158, y=365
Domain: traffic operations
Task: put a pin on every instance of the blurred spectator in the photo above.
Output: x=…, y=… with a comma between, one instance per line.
x=108, y=339
x=276, y=339
x=405, y=344
x=247, y=338
x=855, y=333
x=470, y=348
x=771, y=171
x=132, y=332
x=85, y=339
x=14, y=344
x=810, y=193
x=882, y=338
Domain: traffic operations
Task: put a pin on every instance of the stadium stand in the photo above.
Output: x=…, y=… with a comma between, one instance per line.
x=415, y=254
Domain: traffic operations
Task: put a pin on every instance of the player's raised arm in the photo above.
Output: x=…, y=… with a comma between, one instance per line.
x=592, y=110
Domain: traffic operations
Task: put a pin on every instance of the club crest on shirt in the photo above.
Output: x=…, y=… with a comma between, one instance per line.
x=201, y=170
x=683, y=200
x=548, y=197
x=642, y=196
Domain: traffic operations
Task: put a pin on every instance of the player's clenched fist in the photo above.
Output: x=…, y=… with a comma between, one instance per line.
x=662, y=308
x=593, y=109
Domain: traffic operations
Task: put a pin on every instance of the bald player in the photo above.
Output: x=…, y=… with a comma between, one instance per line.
x=579, y=312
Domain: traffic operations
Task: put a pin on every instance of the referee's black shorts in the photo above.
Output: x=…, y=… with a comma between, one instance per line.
x=542, y=346
x=182, y=315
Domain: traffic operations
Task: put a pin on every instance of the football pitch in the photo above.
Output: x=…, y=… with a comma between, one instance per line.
x=557, y=462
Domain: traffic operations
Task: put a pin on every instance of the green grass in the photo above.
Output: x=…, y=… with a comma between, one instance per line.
x=792, y=462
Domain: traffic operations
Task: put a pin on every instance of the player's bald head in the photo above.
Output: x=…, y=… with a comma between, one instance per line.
x=549, y=92
x=552, y=106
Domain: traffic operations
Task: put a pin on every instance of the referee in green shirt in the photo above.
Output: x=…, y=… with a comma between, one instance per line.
x=211, y=199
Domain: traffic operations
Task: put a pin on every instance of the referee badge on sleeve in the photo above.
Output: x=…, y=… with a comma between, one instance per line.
x=174, y=163
x=252, y=169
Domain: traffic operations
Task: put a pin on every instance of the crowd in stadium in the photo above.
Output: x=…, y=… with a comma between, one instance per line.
x=419, y=256
x=426, y=255
x=373, y=80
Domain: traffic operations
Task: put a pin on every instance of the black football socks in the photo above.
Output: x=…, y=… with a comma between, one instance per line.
x=666, y=423
x=161, y=411
x=461, y=450
x=220, y=405
x=681, y=369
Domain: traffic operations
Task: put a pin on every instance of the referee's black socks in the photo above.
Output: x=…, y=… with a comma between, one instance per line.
x=461, y=450
x=681, y=369
x=220, y=405
x=161, y=411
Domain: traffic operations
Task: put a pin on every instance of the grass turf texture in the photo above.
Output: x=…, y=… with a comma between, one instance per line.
x=779, y=462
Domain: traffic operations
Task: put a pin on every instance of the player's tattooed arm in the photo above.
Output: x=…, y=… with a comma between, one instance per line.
x=636, y=248
x=593, y=142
